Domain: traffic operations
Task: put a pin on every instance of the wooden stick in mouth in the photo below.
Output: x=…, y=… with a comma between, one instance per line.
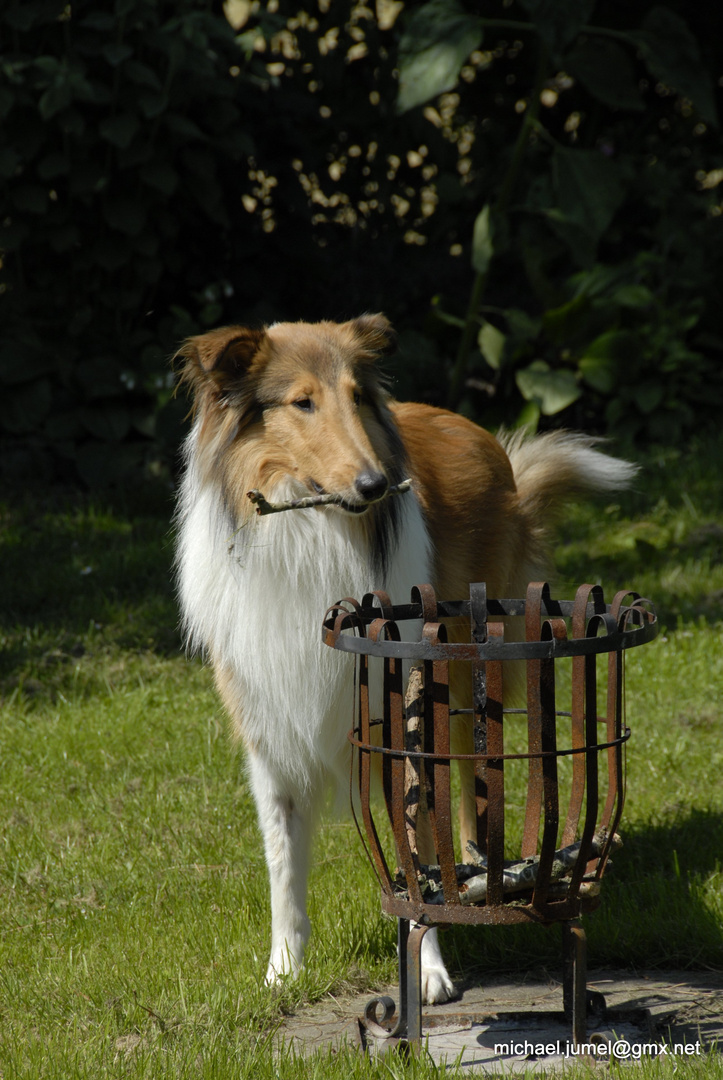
x=265, y=507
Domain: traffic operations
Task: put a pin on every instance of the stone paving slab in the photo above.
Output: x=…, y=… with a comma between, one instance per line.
x=507, y=1024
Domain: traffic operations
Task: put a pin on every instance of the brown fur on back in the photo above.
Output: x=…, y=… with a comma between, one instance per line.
x=465, y=484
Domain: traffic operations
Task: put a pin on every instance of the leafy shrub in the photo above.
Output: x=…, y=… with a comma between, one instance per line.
x=607, y=191
x=529, y=189
x=120, y=129
x=573, y=166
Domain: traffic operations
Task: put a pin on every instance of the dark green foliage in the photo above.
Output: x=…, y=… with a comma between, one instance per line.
x=119, y=125
x=437, y=41
x=528, y=189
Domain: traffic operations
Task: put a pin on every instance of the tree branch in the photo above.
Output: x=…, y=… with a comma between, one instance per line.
x=264, y=507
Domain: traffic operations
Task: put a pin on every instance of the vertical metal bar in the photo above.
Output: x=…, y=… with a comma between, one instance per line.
x=427, y=769
x=414, y=795
x=386, y=741
x=394, y=712
x=393, y=765
x=614, y=754
x=613, y=805
x=402, y=1025
x=591, y=760
x=495, y=773
x=478, y=629
x=408, y=1027
x=577, y=724
x=424, y=595
x=591, y=737
x=552, y=629
x=375, y=630
x=533, y=619
x=436, y=719
x=574, y=981
x=616, y=793
x=377, y=850
x=413, y=982
x=443, y=835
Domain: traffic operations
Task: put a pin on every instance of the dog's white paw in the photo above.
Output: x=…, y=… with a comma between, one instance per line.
x=282, y=965
x=437, y=987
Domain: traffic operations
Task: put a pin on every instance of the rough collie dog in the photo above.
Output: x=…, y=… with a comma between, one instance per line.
x=297, y=409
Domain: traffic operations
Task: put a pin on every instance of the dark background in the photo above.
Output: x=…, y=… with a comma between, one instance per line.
x=164, y=171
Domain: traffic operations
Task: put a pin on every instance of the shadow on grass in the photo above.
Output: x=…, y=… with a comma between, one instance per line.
x=669, y=887
x=78, y=574
x=662, y=907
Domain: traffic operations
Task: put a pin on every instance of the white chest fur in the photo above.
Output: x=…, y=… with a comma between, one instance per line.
x=254, y=602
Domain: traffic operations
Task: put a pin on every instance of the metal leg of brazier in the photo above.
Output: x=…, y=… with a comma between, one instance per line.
x=408, y=1028
x=574, y=982
x=410, y=977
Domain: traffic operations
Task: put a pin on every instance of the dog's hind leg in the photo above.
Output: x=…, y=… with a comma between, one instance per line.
x=286, y=820
x=437, y=986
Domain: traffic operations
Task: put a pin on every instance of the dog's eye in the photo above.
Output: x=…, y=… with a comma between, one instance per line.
x=305, y=404
x=357, y=398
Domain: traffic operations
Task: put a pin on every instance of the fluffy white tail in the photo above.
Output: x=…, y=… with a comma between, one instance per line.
x=551, y=468
x=549, y=471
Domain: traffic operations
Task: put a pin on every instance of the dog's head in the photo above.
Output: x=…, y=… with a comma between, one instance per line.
x=300, y=405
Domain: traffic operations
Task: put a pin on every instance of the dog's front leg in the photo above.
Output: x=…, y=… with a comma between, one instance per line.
x=286, y=821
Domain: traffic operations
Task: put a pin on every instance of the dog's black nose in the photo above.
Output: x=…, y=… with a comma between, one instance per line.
x=371, y=485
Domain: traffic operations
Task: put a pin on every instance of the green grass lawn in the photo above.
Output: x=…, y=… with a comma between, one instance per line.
x=134, y=917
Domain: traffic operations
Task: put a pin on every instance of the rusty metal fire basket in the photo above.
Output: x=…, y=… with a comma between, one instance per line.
x=566, y=765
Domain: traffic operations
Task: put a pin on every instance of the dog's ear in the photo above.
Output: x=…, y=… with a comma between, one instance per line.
x=219, y=359
x=376, y=334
